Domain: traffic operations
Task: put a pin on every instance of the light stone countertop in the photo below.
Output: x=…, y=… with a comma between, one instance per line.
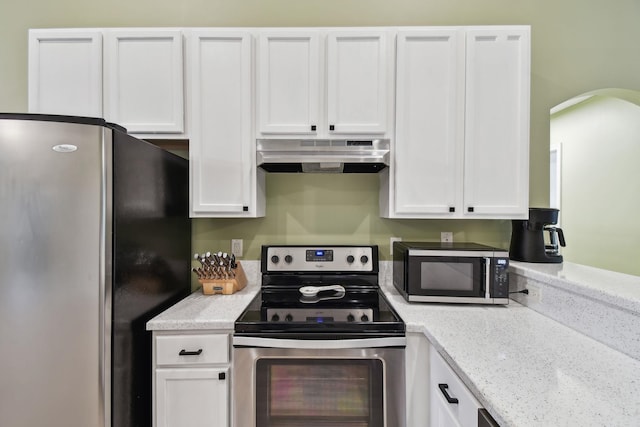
x=214, y=312
x=525, y=368
x=617, y=289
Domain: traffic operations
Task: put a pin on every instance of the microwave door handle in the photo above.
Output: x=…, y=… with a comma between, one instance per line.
x=487, y=278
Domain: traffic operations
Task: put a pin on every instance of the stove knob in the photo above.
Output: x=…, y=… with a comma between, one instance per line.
x=364, y=318
x=275, y=318
x=288, y=259
x=275, y=259
x=364, y=259
x=350, y=259
x=350, y=318
x=288, y=318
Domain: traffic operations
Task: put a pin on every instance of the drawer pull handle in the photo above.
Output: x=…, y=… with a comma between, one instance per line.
x=443, y=388
x=184, y=352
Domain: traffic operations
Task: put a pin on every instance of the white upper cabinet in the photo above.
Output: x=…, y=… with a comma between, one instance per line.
x=357, y=82
x=496, y=178
x=462, y=124
x=429, y=113
x=65, y=72
x=319, y=83
x=224, y=179
x=454, y=102
x=289, y=82
x=144, y=89
x=132, y=77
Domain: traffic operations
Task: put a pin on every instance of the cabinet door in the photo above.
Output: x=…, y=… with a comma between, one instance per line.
x=65, y=72
x=429, y=111
x=444, y=385
x=196, y=397
x=143, y=80
x=496, y=178
x=288, y=82
x=417, y=379
x=357, y=82
x=441, y=415
x=222, y=149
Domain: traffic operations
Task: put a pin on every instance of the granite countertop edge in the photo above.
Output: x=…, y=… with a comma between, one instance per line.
x=611, y=287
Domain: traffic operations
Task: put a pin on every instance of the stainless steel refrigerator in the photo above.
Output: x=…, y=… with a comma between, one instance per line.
x=94, y=240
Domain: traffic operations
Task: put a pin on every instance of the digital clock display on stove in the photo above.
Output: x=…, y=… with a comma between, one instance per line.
x=319, y=255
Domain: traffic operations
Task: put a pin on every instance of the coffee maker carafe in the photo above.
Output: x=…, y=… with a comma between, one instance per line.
x=528, y=237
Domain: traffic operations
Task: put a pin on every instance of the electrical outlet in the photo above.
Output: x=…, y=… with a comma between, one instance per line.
x=391, y=240
x=236, y=247
x=446, y=237
x=535, y=293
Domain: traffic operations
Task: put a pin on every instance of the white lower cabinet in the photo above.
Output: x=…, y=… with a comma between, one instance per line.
x=417, y=379
x=451, y=402
x=436, y=396
x=192, y=397
x=191, y=379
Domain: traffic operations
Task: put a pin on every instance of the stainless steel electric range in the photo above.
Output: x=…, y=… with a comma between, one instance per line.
x=320, y=345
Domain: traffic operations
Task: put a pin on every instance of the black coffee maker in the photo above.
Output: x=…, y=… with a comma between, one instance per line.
x=528, y=240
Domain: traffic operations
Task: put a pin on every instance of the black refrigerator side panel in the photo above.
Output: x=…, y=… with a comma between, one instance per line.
x=152, y=245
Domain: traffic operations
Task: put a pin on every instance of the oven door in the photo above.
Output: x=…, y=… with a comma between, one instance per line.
x=448, y=278
x=316, y=383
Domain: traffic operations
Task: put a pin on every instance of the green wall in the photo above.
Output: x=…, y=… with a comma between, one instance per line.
x=600, y=145
x=577, y=46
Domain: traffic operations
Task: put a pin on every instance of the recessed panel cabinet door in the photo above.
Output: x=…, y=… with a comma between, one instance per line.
x=144, y=80
x=288, y=82
x=452, y=404
x=429, y=110
x=222, y=148
x=357, y=81
x=65, y=72
x=197, y=397
x=497, y=122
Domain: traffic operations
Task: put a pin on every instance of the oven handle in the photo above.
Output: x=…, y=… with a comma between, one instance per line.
x=320, y=344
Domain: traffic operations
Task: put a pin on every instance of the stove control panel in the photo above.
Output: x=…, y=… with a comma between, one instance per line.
x=362, y=315
x=319, y=258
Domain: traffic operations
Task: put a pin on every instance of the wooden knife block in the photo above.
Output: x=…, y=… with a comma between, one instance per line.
x=225, y=286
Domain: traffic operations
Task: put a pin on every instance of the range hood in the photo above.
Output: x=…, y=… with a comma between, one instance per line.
x=323, y=155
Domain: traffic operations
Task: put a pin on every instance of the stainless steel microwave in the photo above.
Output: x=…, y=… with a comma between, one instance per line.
x=451, y=272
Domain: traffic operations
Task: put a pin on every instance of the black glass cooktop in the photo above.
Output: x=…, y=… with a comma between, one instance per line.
x=356, y=313
x=311, y=292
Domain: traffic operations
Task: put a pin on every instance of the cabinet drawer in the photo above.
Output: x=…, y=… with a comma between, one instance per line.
x=444, y=379
x=192, y=349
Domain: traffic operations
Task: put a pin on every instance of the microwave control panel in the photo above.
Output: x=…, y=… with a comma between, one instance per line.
x=500, y=288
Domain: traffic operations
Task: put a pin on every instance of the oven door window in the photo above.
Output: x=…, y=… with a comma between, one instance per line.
x=447, y=276
x=319, y=392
